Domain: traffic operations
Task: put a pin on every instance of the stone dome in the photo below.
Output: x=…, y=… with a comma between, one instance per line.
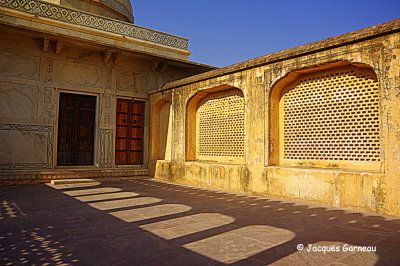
x=116, y=9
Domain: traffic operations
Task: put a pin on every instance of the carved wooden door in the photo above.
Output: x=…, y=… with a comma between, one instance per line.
x=130, y=131
x=76, y=122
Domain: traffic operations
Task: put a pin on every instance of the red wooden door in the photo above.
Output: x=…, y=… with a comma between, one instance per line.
x=76, y=122
x=130, y=130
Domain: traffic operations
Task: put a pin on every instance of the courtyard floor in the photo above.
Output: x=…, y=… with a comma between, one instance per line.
x=149, y=222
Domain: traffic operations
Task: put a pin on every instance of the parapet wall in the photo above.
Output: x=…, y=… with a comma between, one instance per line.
x=321, y=124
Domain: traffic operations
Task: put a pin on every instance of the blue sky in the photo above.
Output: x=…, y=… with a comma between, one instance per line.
x=224, y=32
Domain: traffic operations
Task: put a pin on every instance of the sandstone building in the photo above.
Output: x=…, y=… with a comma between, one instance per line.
x=317, y=123
x=84, y=92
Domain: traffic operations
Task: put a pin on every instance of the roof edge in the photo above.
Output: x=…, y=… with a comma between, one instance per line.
x=371, y=32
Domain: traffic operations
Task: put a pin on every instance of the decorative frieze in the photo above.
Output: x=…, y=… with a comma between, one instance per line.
x=106, y=148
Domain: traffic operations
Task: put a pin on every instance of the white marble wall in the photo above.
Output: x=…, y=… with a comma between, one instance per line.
x=25, y=147
x=32, y=76
x=18, y=102
x=77, y=75
x=19, y=66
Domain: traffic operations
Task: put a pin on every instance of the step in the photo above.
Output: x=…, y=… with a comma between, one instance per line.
x=71, y=181
x=72, y=174
x=91, y=180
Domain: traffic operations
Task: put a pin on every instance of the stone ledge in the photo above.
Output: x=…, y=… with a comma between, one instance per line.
x=87, y=180
x=71, y=181
x=5, y=177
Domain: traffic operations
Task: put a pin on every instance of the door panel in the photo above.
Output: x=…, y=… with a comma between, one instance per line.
x=121, y=147
x=130, y=126
x=76, y=124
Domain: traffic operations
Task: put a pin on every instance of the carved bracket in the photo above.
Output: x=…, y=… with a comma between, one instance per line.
x=59, y=46
x=107, y=55
x=46, y=43
x=110, y=54
x=159, y=66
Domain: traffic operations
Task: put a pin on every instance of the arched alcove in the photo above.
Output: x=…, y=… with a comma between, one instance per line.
x=215, y=125
x=327, y=116
x=161, y=132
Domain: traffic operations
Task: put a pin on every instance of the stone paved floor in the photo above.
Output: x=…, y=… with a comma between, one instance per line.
x=148, y=222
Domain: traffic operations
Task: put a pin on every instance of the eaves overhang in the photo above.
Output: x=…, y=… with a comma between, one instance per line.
x=57, y=20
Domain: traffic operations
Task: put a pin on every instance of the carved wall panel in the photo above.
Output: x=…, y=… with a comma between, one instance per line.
x=126, y=81
x=106, y=148
x=26, y=146
x=18, y=101
x=48, y=65
x=109, y=81
x=131, y=81
x=106, y=110
x=141, y=82
x=79, y=74
x=19, y=66
x=48, y=112
x=47, y=115
x=107, y=101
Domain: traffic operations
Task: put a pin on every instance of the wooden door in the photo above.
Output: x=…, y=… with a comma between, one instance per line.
x=130, y=131
x=76, y=122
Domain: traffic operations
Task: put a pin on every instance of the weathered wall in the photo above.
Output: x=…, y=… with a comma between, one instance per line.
x=376, y=191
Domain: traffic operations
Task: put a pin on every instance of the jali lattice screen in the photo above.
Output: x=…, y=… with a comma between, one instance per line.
x=220, y=126
x=332, y=117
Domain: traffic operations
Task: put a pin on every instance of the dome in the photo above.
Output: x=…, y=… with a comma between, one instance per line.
x=115, y=9
x=123, y=7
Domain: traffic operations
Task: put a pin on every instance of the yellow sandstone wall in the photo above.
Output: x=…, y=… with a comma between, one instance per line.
x=372, y=187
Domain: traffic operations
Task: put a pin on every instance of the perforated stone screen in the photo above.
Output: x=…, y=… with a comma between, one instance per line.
x=220, y=126
x=332, y=117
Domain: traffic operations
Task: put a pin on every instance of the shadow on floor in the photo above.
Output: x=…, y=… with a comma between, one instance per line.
x=149, y=222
